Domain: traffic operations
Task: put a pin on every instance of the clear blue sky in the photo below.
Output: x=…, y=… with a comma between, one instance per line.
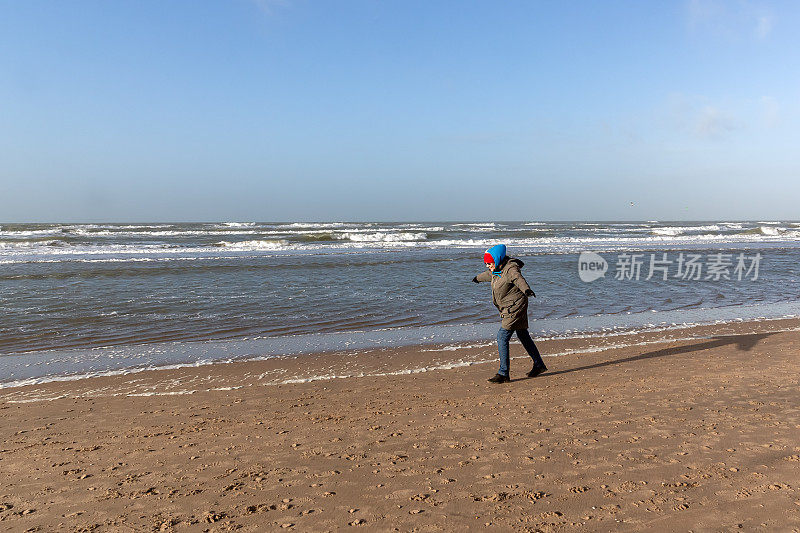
x=430, y=110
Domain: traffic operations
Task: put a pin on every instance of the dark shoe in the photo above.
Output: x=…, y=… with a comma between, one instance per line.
x=536, y=370
x=499, y=378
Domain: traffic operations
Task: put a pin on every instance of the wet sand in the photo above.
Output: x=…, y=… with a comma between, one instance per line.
x=695, y=429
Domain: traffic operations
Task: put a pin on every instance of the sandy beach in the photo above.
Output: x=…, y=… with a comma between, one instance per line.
x=693, y=429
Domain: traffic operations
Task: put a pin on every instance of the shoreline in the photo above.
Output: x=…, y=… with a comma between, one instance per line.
x=676, y=433
x=403, y=359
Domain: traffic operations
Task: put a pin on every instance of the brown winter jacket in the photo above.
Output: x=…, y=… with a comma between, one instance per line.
x=508, y=294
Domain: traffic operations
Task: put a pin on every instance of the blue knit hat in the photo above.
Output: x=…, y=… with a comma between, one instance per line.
x=496, y=253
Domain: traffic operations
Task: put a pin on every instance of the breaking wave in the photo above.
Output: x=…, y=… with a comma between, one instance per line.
x=381, y=236
x=669, y=232
x=254, y=245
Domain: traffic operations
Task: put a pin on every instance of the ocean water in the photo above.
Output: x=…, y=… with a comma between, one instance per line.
x=80, y=299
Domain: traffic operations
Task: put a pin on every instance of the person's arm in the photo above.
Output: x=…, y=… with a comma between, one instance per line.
x=515, y=276
x=482, y=277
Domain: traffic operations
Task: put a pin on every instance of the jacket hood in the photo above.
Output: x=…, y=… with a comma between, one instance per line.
x=513, y=261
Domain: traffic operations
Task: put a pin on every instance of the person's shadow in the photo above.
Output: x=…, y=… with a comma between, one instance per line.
x=742, y=342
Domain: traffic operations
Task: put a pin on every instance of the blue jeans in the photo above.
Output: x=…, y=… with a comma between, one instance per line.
x=503, y=336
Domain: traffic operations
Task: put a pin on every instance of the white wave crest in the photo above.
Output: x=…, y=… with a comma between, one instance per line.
x=669, y=232
x=166, y=233
x=29, y=233
x=771, y=231
x=710, y=227
x=381, y=236
x=238, y=224
x=23, y=245
x=254, y=245
x=318, y=225
x=421, y=227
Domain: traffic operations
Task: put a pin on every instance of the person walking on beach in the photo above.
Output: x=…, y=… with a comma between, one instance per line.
x=510, y=294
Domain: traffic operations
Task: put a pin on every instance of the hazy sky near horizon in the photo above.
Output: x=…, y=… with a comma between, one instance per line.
x=276, y=110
